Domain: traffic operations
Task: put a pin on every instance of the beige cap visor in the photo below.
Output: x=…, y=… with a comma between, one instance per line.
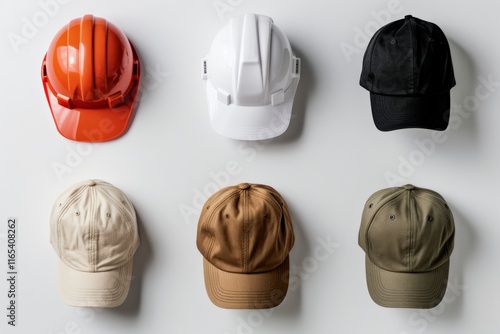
x=96, y=289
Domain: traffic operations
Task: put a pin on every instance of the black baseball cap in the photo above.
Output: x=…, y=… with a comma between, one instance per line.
x=408, y=70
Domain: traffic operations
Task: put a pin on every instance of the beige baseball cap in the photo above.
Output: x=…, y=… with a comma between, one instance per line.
x=407, y=234
x=245, y=234
x=93, y=229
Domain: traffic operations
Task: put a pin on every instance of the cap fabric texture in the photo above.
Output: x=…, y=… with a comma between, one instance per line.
x=251, y=76
x=407, y=234
x=245, y=235
x=408, y=70
x=93, y=229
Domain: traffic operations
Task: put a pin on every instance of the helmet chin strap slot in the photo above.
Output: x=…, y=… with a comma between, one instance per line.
x=135, y=70
x=204, y=69
x=44, y=71
x=296, y=68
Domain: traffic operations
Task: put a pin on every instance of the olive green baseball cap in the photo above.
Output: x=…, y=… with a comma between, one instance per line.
x=407, y=234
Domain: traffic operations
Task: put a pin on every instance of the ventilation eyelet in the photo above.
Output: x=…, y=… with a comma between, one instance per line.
x=392, y=217
x=108, y=214
x=227, y=216
x=393, y=41
x=429, y=218
x=370, y=206
x=77, y=213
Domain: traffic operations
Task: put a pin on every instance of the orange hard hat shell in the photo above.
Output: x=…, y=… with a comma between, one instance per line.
x=91, y=76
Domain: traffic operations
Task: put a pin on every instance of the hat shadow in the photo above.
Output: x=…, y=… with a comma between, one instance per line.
x=462, y=126
x=306, y=85
x=466, y=243
x=451, y=306
x=292, y=304
x=142, y=258
x=139, y=93
x=466, y=87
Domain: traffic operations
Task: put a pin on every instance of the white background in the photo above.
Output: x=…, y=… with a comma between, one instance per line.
x=329, y=161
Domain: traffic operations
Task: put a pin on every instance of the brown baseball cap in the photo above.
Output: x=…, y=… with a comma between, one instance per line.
x=407, y=234
x=245, y=234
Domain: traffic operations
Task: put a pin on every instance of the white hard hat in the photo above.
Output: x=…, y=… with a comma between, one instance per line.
x=250, y=76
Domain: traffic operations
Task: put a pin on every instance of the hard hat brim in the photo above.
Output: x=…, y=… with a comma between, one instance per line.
x=96, y=124
x=91, y=125
x=249, y=122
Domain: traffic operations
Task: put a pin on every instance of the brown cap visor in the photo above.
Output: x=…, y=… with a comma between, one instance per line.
x=246, y=291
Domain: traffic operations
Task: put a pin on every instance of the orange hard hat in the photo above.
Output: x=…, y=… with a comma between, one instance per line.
x=90, y=75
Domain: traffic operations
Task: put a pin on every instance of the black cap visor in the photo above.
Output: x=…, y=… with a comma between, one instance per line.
x=392, y=112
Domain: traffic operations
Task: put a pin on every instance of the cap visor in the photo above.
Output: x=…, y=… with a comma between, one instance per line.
x=98, y=289
x=90, y=125
x=392, y=112
x=406, y=290
x=249, y=123
x=246, y=291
